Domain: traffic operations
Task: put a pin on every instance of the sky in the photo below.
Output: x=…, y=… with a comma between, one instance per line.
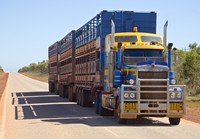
x=29, y=27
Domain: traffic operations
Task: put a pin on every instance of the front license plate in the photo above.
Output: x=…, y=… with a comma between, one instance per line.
x=130, y=107
x=176, y=106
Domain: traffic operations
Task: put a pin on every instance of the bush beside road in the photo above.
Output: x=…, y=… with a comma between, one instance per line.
x=188, y=72
x=37, y=71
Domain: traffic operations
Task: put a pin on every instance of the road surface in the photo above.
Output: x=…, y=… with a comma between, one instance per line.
x=33, y=113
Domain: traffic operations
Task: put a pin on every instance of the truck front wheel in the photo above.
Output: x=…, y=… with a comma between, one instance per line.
x=174, y=121
x=117, y=115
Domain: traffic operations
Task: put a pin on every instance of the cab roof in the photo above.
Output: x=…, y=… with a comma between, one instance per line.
x=137, y=34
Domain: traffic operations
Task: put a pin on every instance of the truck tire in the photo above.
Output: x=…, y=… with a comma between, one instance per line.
x=96, y=109
x=174, y=121
x=96, y=102
x=78, y=96
x=84, y=98
x=50, y=88
x=66, y=92
x=61, y=92
x=117, y=115
x=103, y=111
x=69, y=94
x=56, y=89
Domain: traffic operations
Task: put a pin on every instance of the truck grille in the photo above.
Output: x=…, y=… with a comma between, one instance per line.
x=152, y=75
x=153, y=92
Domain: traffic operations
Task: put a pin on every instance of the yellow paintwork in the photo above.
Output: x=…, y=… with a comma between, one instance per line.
x=130, y=107
x=139, y=44
x=126, y=71
x=176, y=108
x=128, y=116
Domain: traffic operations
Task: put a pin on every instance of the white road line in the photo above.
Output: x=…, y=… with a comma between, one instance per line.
x=70, y=117
x=34, y=113
x=43, y=104
x=36, y=96
x=113, y=133
x=31, y=107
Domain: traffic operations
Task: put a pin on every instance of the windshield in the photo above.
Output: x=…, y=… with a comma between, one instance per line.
x=121, y=39
x=143, y=53
x=132, y=57
x=151, y=39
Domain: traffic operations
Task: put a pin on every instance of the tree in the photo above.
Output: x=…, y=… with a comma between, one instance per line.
x=40, y=67
x=193, y=45
x=188, y=68
x=1, y=69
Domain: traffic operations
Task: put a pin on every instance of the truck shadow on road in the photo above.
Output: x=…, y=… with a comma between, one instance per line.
x=49, y=107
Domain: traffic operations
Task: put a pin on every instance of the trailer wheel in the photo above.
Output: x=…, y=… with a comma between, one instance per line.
x=69, y=93
x=174, y=121
x=84, y=98
x=117, y=115
x=61, y=92
x=97, y=103
x=73, y=94
x=78, y=96
x=56, y=89
x=51, y=87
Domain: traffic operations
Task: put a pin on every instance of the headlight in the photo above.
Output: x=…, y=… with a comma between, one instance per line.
x=131, y=81
x=179, y=95
x=173, y=81
x=126, y=95
x=176, y=92
x=132, y=95
x=178, y=89
x=172, y=95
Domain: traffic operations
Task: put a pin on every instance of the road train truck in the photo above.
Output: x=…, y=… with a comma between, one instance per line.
x=118, y=64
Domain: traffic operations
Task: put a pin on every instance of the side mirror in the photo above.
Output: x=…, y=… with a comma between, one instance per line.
x=170, y=46
x=175, y=56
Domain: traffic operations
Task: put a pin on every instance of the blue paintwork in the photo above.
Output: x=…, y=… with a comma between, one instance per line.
x=117, y=78
x=171, y=75
x=119, y=59
x=67, y=42
x=150, y=62
x=170, y=59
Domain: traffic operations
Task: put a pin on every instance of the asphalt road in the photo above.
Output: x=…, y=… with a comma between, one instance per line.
x=33, y=113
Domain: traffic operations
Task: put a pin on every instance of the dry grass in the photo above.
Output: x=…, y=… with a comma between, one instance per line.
x=3, y=81
x=37, y=76
x=193, y=108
